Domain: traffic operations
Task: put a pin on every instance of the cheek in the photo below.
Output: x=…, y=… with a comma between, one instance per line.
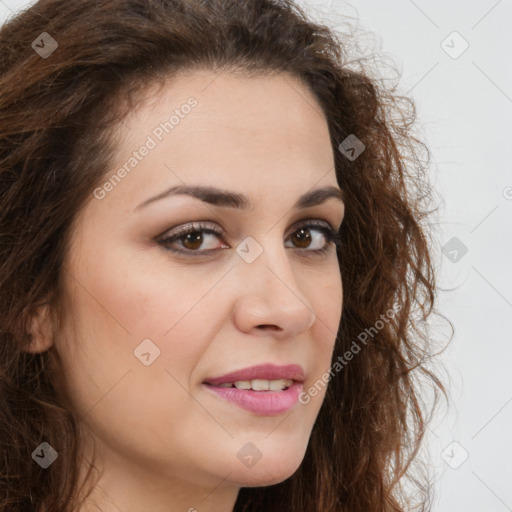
x=328, y=303
x=121, y=398
x=115, y=303
x=327, y=300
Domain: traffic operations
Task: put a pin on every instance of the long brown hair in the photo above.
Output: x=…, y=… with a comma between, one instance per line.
x=57, y=113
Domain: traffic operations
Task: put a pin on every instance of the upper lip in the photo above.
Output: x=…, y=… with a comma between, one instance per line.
x=262, y=371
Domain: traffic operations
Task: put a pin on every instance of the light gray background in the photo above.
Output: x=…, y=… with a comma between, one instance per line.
x=464, y=108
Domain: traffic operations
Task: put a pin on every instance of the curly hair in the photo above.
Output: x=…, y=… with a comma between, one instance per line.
x=57, y=117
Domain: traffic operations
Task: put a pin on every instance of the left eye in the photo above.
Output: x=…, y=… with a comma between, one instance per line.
x=192, y=237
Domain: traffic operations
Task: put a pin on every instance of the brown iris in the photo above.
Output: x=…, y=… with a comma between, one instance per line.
x=303, y=236
x=195, y=238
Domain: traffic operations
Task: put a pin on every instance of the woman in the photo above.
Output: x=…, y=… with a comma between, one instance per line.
x=212, y=259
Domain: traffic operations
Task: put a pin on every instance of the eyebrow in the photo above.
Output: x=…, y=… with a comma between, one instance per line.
x=227, y=199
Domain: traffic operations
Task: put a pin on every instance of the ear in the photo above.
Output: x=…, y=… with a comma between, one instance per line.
x=40, y=330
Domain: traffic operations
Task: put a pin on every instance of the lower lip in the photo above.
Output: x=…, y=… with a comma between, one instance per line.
x=265, y=403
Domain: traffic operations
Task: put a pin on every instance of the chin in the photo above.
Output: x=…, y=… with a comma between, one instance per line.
x=271, y=471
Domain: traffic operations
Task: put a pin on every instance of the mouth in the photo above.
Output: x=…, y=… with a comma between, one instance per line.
x=263, y=390
x=260, y=377
x=258, y=384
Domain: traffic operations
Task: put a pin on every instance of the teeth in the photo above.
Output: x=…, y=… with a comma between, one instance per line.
x=243, y=384
x=260, y=384
x=278, y=385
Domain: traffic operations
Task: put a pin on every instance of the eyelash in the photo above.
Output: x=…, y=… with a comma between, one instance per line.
x=331, y=235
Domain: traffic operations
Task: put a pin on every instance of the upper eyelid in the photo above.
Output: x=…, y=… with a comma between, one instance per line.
x=209, y=225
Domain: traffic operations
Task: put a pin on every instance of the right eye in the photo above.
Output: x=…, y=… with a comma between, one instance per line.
x=191, y=236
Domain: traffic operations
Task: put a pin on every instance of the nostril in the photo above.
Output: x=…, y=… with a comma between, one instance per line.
x=268, y=326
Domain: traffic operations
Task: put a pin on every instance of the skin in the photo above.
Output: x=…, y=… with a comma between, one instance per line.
x=165, y=443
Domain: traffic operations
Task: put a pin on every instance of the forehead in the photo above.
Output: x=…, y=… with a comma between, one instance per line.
x=271, y=109
x=263, y=133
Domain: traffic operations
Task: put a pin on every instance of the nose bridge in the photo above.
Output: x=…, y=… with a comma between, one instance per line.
x=271, y=295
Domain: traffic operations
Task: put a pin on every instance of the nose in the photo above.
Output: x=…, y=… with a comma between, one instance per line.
x=270, y=297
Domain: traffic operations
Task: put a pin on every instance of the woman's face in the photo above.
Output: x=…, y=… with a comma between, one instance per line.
x=146, y=326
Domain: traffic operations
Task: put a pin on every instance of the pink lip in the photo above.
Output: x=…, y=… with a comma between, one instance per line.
x=262, y=371
x=261, y=402
x=265, y=403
